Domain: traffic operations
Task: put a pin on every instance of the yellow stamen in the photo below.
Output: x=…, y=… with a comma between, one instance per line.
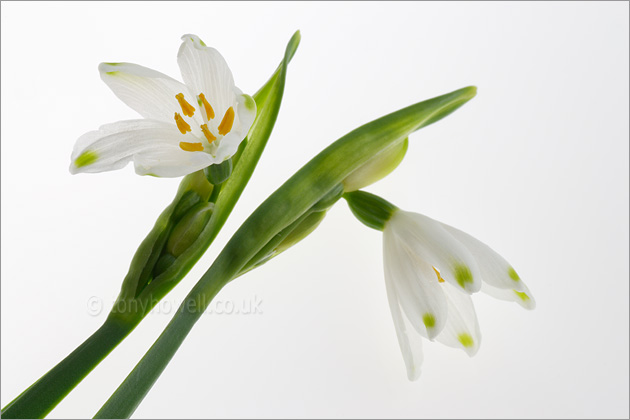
x=182, y=125
x=440, y=279
x=226, y=123
x=207, y=107
x=207, y=133
x=191, y=147
x=187, y=108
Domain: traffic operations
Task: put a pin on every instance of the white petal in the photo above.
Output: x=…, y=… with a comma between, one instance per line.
x=205, y=71
x=523, y=297
x=245, y=113
x=409, y=340
x=462, y=328
x=148, y=92
x=495, y=270
x=114, y=145
x=436, y=246
x=243, y=119
x=171, y=162
x=419, y=291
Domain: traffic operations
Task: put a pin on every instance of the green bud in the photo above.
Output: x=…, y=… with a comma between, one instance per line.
x=377, y=168
x=163, y=263
x=196, y=182
x=219, y=173
x=185, y=203
x=371, y=210
x=187, y=230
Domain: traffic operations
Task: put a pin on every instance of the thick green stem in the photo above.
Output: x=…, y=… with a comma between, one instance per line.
x=41, y=397
x=318, y=180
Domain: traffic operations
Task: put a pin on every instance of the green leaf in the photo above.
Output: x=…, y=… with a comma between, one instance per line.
x=286, y=206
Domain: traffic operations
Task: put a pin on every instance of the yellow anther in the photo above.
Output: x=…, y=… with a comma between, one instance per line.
x=440, y=279
x=226, y=123
x=187, y=108
x=191, y=147
x=207, y=133
x=206, y=106
x=182, y=125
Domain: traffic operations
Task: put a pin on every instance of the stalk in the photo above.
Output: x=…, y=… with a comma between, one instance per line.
x=41, y=397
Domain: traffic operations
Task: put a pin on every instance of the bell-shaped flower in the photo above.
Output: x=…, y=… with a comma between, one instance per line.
x=186, y=127
x=430, y=270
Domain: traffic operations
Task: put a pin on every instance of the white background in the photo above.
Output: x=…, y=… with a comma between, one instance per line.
x=536, y=166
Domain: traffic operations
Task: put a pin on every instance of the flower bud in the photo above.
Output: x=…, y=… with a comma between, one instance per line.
x=219, y=172
x=187, y=230
x=376, y=168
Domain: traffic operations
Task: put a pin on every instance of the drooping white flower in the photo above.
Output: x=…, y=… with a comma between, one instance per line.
x=186, y=127
x=430, y=271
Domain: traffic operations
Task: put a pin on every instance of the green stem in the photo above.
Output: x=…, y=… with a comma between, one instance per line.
x=142, y=287
x=128, y=396
x=318, y=179
x=215, y=193
x=41, y=397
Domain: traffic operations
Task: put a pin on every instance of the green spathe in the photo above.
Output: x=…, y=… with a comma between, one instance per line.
x=377, y=168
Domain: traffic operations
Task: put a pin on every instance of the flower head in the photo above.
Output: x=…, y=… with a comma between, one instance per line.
x=186, y=127
x=430, y=271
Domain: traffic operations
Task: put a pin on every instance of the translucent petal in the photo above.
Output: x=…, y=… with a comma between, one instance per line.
x=409, y=340
x=419, y=291
x=462, y=328
x=148, y=92
x=245, y=113
x=432, y=243
x=171, y=162
x=244, y=117
x=494, y=269
x=522, y=297
x=205, y=71
x=114, y=145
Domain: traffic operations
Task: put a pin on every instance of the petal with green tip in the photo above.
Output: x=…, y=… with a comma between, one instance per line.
x=419, y=291
x=523, y=297
x=494, y=269
x=431, y=242
x=409, y=340
x=152, y=145
x=462, y=328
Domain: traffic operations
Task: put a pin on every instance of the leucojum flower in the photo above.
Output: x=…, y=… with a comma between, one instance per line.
x=186, y=127
x=431, y=269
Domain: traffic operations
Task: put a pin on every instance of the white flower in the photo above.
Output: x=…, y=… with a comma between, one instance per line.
x=186, y=127
x=430, y=271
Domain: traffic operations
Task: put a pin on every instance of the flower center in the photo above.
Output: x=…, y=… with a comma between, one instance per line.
x=188, y=110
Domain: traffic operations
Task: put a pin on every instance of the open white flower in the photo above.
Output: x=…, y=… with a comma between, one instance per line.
x=186, y=127
x=430, y=270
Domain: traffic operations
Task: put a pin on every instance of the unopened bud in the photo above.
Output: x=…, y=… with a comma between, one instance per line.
x=187, y=230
